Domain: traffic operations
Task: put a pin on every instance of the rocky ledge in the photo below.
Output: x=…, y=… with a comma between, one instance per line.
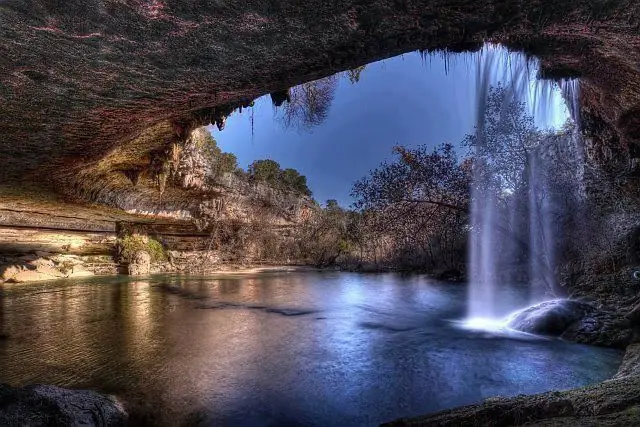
x=47, y=405
x=612, y=402
x=43, y=266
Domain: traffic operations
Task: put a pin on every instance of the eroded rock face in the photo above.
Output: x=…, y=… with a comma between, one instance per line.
x=47, y=405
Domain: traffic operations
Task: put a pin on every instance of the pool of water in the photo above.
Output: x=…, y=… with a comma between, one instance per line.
x=276, y=349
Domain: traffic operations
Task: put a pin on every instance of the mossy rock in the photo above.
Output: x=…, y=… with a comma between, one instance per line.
x=128, y=246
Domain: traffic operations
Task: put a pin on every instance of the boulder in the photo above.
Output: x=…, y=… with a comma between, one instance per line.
x=140, y=265
x=634, y=315
x=47, y=405
x=574, y=321
x=549, y=317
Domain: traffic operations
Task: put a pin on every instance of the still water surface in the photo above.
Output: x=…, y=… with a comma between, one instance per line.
x=275, y=349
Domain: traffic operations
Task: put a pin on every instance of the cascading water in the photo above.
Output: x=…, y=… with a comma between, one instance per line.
x=527, y=184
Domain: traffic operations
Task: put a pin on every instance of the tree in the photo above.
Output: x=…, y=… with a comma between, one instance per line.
x=309, y=103
x=265, y=170
x=416, y=208
x=418, y=177
x=505, y=141
x=323, y=238
x=292, y=179
x=354, y=74
x=228, y=162
x=332, y=205
x=269, y=171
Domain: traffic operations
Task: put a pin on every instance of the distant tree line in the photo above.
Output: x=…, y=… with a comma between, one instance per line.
x=266, y=170
x=270, y=172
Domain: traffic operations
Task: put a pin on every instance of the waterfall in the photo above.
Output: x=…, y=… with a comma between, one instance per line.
x=527, y=182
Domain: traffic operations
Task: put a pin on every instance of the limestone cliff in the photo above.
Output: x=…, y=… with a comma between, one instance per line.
x=200, y=217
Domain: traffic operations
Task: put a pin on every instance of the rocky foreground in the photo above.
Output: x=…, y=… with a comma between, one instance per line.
x=47, y=405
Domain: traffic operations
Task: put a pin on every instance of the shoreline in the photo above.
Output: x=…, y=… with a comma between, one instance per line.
x=615, y=401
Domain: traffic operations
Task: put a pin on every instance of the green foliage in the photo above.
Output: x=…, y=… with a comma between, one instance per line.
x=129, y=245
x=209, y=143
x=344, y=246
x=332, y=205
x=269, y=171
x=222, y=162
x=265, y=170
x=227, y=163
x=292, y=179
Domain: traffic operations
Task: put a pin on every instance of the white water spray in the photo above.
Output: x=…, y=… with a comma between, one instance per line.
x=529, y=191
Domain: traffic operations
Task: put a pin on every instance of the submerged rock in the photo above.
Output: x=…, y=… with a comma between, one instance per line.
x=47, y=405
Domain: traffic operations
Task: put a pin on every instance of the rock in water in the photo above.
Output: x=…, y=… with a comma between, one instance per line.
x=549, y=317
x=47, y=405
x=140, y=264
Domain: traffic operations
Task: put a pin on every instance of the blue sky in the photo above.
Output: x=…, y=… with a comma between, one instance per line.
x=406, y=100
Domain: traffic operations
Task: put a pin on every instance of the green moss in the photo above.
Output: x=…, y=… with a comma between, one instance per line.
x=129, y=245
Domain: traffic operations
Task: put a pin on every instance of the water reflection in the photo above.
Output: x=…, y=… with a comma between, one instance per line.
x=275, y=349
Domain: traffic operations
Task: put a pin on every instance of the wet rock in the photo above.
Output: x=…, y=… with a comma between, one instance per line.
x=140, y=265
x=574, y=321
x=600, y=328
x=549, y=317
x=631, y=363
x=47, y=405
x=634, y=316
